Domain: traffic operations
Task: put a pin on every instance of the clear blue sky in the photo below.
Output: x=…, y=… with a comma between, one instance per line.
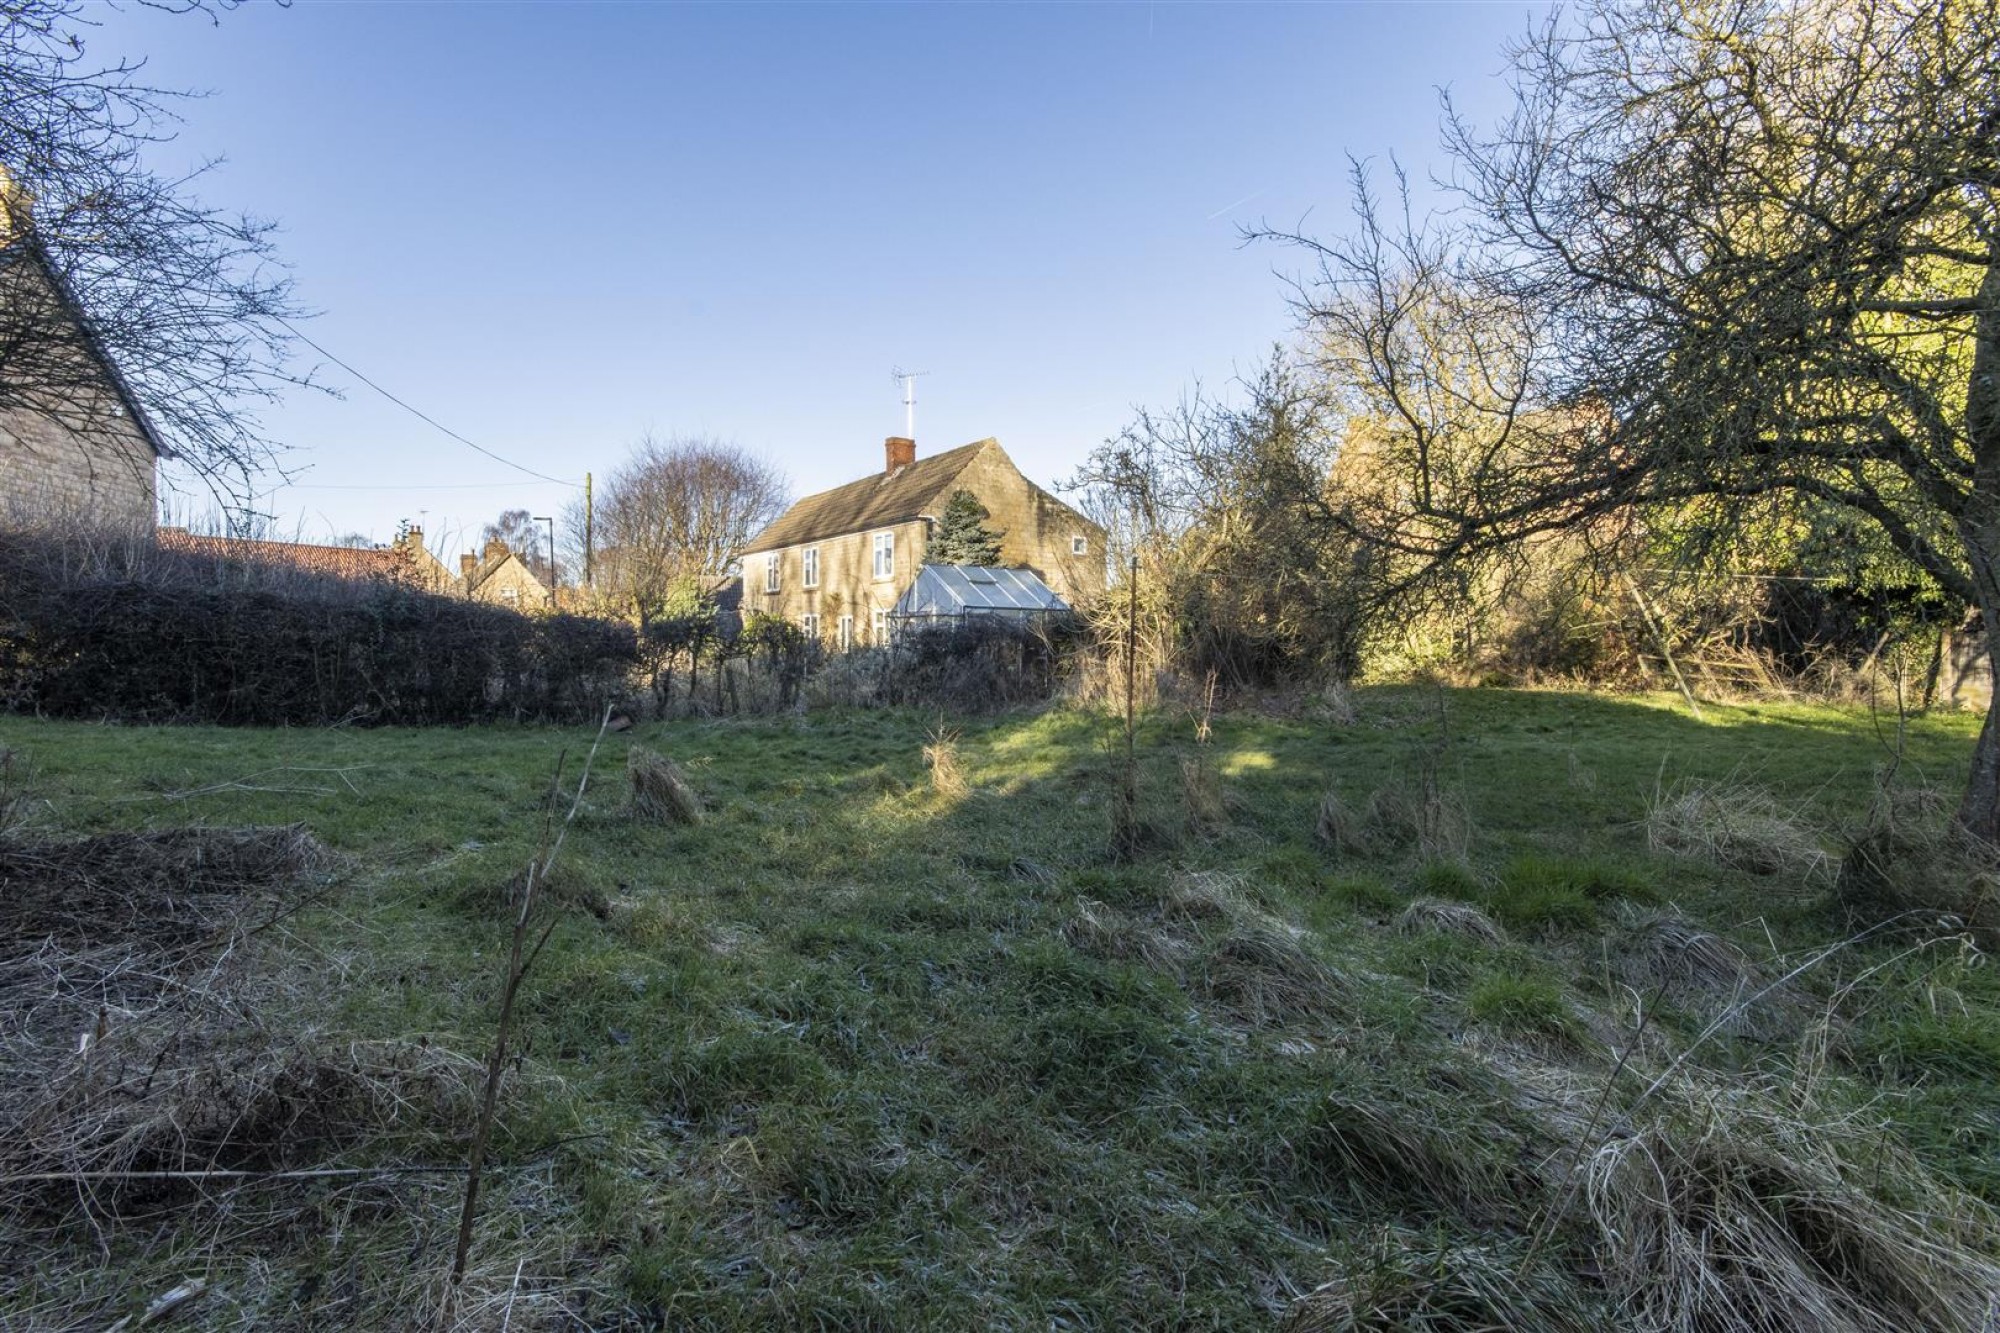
x=556, y=226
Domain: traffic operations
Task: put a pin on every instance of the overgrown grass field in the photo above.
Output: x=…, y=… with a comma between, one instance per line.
x=1428, y=1008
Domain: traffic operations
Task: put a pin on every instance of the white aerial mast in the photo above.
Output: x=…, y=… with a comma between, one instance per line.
x=908, y=378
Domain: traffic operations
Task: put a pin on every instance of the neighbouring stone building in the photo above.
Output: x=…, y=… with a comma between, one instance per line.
x=75, y=447
x=499, y=575
x=837, y=562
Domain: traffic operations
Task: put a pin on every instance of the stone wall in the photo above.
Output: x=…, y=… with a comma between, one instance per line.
x=52, y=472
x=847, y=582
x=1037, y=530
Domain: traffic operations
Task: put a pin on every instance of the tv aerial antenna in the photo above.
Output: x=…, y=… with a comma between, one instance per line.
x=908, y=379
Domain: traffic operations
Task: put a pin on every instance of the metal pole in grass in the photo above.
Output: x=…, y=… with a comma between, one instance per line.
x=1128, y=806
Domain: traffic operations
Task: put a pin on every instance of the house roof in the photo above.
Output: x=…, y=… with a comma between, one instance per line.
x=876, y=501
x=346, y=562
x=958, y=590
x=34, y=252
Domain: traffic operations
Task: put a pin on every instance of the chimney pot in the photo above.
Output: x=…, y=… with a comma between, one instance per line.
x=899, y=451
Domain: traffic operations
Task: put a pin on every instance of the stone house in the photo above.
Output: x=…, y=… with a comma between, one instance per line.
x=499, y=575
x=75, y=446
x=836, y=563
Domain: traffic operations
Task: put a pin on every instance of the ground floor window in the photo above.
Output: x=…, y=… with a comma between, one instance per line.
x=846, y=626
x=809, y=622
x=878, y=626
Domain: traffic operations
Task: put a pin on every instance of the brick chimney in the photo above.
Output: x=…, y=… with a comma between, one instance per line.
x=899, y=451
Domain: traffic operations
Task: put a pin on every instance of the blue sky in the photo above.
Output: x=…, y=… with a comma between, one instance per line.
x=556, y=226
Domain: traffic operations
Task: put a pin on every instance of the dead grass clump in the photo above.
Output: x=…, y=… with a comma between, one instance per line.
x=163, y=888
x=1202, y=801
x=1264, y=975
x=1437, y=916
x=1338, y=828
x=1410, y=1283
x=1907, y=857
x=143, y=1113
x=1422, y=816
x=1736, y=826
x=941, y=758
x=660, y=791
x=1665, y=955
x=1750, y=1221
x=1104, y=932
x=1381, y=1146
x=1205, y=895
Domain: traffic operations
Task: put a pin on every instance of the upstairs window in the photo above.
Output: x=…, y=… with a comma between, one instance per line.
x=771, y=572
x=1079, y=546
x=809, y=561
x=885, y=555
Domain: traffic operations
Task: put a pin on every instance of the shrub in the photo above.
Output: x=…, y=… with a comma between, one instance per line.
x=117, y=628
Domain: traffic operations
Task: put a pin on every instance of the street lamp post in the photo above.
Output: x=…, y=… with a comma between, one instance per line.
x=553, y=582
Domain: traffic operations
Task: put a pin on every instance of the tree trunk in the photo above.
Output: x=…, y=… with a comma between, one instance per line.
x=1979, y=812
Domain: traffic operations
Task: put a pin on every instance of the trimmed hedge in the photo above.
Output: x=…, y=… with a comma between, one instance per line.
x=117, y=628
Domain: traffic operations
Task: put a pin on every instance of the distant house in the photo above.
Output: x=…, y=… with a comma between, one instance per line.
x=499, y=575
x=837, y=563
x=74, y=443
x=404, y=561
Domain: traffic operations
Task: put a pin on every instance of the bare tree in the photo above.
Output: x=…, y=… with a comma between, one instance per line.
x=517, y=530
x=101, y=254
x=1718, y=255
x=670, y=520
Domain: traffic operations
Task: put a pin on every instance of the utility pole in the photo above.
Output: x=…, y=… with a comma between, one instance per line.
x=589, y=543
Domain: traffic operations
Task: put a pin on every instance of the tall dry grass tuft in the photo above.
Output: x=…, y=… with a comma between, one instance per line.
x=1421, y=815
x=1203, y=804
x=1908, y=857
x=661, y=793
x=1736, y=826
x=1738, y=1215
x=947, y=774
x=1337, y=827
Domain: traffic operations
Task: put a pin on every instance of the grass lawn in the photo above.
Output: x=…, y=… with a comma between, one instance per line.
x=856, y=1052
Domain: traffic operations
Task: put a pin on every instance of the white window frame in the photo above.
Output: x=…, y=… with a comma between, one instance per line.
x=809, y=566
x=1079, y=546
x=809, y=622
x=845, y=628
x=878, y=627
x=885, y=556
x=771, y=572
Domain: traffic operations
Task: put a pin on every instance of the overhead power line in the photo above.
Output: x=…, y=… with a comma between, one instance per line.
x=420, y=415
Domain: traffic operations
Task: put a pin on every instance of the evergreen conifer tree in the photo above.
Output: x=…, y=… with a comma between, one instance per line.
x=961, y=536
